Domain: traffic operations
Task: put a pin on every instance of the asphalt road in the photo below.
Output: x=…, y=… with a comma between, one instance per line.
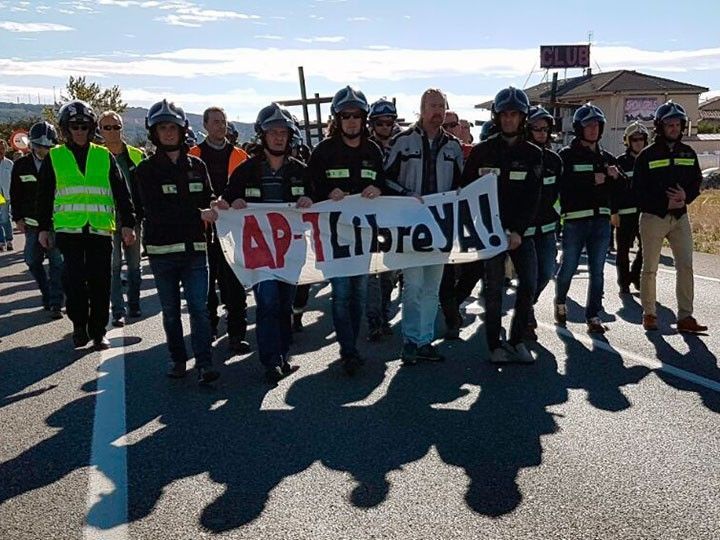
x=609, y=438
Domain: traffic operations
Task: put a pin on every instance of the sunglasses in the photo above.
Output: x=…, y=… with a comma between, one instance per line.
x=384, y=124
x=114, y=127
x=540, y=129
x=451, y=125
x=348, y=116
x=79, y=127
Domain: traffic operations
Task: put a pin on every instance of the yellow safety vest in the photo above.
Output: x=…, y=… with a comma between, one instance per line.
x=136, y=155
x=82, y=200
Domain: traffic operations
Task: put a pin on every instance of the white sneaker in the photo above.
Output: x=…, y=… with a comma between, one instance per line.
x=522, y=354
x=500, y=356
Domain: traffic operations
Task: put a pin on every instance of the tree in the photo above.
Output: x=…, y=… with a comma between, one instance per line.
x=100, y=99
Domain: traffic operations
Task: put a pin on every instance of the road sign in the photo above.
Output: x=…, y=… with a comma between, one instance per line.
x=19, y=140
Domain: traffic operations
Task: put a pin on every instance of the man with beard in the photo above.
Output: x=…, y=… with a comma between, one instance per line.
x=424, y=159
x=667, y=179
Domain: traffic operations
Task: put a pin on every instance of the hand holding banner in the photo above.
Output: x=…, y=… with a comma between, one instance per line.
x=361, y=236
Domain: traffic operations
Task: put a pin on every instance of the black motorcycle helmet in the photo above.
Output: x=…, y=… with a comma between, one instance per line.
x=162, y=111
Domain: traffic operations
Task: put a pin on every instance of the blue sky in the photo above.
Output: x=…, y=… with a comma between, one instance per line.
x=242, y=55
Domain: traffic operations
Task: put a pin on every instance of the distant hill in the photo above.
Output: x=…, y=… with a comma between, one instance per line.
x=133, y=119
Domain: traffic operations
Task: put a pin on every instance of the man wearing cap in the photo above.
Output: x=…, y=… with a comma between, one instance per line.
x=347, y=163
x=667, y=179
x=517, y=165
x=23, y=191
x=626, y=218
x=271, y=175
x=80, y=188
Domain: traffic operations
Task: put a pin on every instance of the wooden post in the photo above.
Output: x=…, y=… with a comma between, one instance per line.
x=303, y=94
x=318, y=114
x=553, y=96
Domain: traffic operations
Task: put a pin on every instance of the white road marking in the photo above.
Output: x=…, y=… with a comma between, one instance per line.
x=107, y=497
x=652, y=363
x=697, y=276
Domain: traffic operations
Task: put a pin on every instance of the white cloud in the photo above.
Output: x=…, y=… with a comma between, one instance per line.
x=351, y=65
x=34, y=27
x=268, y=36
x=358, y=19
x=195, y=16
x=322, y=39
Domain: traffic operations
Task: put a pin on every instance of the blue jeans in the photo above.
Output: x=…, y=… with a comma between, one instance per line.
x=274, y=300
x=420, y=297
x=348, y=306
x=6, y=232
x=525, y=261
x=50, y=286
x=134, y=279
x=190, y=270
x=593, y=235
x=546, y=251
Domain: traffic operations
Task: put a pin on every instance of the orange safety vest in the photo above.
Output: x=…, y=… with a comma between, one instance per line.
x=237, y=156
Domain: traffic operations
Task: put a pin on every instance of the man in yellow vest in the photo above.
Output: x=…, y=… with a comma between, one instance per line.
x=79, y=190
x=128, y=157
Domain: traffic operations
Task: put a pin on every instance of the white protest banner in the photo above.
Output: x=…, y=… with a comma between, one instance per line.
x=361, y=236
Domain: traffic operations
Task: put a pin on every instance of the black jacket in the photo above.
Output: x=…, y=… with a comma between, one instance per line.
x=547, y=216
x=170, y=197
x=580, y=198
x=47, y=184
x=658, y=168
x=333, y=164
x=23, y=189
x=519, y=182
x=625, y=197
x=246, y=182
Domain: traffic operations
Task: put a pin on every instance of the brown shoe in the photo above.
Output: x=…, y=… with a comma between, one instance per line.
x=650, y=322
x=690, y=325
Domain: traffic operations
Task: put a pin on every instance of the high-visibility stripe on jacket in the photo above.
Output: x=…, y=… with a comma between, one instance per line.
x=82, y=200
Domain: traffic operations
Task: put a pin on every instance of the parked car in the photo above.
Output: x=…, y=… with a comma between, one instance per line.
x=711, y=178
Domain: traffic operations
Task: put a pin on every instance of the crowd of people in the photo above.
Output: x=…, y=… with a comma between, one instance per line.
x=85, y=206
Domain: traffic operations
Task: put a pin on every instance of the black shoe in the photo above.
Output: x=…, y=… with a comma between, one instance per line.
x=376, y=334
x=55, y=312
x=238, y=345
x=80, y=337
x=429, y=354
x=452, y=333
x=206, y=375
x=288, y=369
x=297, y=324
x=274, y=375
x=409, y=354
x=101, y=344
x=624, y=289
x=135, y=313
x=635, y=282
x=351, y=364
x=530, y=334
x=118, y=321
x=176, y=370
x=213, y=333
